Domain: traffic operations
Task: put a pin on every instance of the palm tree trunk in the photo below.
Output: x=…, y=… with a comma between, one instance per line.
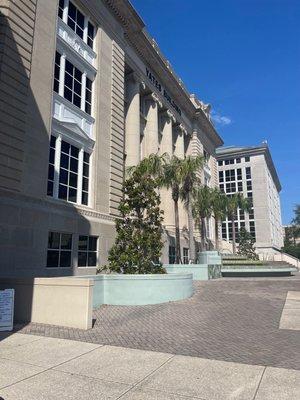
x=217, y=233
x=233, y=236
x=203, y=234
x=177, y=233
x=191, y=229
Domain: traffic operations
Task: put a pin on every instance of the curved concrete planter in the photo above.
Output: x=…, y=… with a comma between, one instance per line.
x=201, y=272
x=118, y=289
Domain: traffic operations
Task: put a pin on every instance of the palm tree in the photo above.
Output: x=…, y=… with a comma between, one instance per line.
x=218, y=205
x=181, y=176
x=234, y=202
x=152, y=165
x=189, y=168
x=202, y=209
x=167, y=172
x=171, y=179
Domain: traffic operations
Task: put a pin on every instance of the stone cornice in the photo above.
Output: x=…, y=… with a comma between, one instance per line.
x=50, y=204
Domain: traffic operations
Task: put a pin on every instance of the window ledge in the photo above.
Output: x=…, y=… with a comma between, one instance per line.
x=68, y=36
x=65, y=111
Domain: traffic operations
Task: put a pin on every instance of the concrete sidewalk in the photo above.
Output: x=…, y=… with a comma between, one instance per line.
x=42, y=368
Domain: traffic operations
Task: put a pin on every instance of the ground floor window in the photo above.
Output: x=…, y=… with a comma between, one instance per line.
x=59, y=253
x=185, y=255
x=68, y=172
x=172, y=256
x=87, y=251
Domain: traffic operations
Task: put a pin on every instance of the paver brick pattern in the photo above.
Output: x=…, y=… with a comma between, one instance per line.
x=228, y=319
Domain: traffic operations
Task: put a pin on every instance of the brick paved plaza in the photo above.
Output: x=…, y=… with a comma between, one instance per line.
x=228, y=319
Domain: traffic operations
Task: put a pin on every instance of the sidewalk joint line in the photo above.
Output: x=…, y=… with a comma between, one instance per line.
x=262, y=375
x=46, y=369
x=147, y=376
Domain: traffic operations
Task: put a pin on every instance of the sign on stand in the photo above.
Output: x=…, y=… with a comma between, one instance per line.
x=7, y=309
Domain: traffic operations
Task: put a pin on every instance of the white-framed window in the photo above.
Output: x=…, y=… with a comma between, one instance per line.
x=185, y=257
x=59, y=251
x=73, y=84
x=87, y=251
x=51, y=169
x=69, y=171
x=77, y=21
x=85, y=178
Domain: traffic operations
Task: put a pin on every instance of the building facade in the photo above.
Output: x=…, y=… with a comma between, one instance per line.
x=251, y=172
x=85, y=92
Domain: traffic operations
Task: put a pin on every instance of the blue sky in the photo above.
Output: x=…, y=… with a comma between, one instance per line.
x=243, y=57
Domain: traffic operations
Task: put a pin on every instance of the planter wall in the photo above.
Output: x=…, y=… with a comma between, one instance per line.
x=201, y=272
x=118, y=289
x=210, y=258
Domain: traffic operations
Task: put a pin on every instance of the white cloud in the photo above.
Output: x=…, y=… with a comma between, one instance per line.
x=219, y=119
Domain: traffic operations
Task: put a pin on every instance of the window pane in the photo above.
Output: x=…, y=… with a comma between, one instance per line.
x=52, y=141
x=78, y=75
x=80, y=19
x=85, y=198
x=56, y=72
x=77, y=100
x=82, y=259
x=92, y=259
x=69, y=67
x=93, y=243
x=86, y=170
x=64, y=161
x=83, y=242
x=72, y=11
x=68, y=81
x=63, y=176
x=85, y=184
x=91, y=30
x=73, y=180
x=66, y=241
x=51, y=172
x=53, y=240
x=57, y=57
x=74, y=165
x=88, y=108
x=62, y=192
x=65, y=259
x=68, y=94
x=51, y=155
x=79, y=32
x=88, y=96
x=86, y=157
x=74, y=151
x=72, y=195
x=52, y=258
x=77, y=87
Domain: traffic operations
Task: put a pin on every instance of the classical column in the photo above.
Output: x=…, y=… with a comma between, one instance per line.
x=179, y=144
x=132, y=121
x=150, y=141
x=166, y=144
x=180, y=153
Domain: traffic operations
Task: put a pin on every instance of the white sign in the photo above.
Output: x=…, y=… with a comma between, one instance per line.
x=7, y=309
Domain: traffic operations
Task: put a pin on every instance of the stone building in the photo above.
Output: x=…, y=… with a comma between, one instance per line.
x=251, y=172
x=84, y=93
